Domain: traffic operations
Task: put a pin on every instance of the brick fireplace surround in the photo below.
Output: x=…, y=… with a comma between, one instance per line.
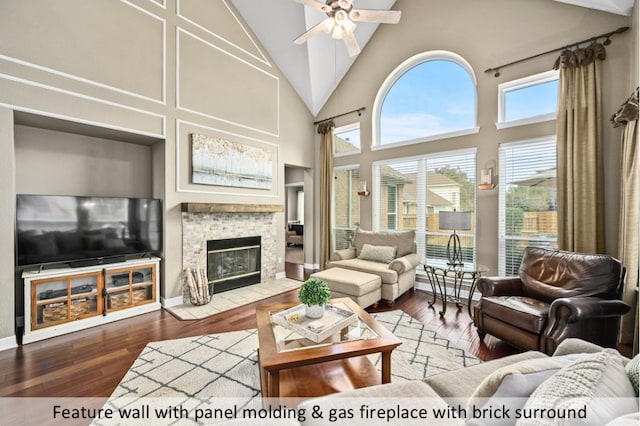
x=202, y=222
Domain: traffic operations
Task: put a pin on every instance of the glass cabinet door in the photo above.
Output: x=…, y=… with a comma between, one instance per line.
x=63, y=299
x=129, y=287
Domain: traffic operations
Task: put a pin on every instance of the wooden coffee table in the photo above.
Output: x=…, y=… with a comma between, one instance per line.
x=302, y=361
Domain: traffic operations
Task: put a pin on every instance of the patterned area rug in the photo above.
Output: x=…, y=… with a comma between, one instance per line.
x=226, y=364
x=423, y=352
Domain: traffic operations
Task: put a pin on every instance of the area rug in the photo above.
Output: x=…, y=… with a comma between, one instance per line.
x=226, y=365
x=423, y=352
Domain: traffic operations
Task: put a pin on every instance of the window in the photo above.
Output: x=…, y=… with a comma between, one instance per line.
x=346, y=205
x=410, y=193
x=346, y=140
x=430, y=96
x=528, y=100
x=528, y=200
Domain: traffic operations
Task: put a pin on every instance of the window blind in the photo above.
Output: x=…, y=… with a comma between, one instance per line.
x=409, y=193
x=528, y=200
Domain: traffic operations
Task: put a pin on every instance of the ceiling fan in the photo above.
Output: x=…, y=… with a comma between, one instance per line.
x=340, y=21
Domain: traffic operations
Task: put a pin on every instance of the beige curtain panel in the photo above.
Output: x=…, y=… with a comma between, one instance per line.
x=629, y=234
x=326, y=186
x=579, y=146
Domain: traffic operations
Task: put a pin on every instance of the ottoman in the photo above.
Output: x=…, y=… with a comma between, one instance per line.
x=361, y=287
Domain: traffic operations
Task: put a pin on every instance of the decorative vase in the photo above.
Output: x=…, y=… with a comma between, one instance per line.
x=314, y=311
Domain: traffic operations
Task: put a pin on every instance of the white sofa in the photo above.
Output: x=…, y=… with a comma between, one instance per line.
x=599, y=379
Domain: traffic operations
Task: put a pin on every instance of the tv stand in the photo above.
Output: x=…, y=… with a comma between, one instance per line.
x=62, y=300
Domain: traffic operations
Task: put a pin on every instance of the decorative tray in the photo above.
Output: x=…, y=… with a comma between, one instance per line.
x=333, y=320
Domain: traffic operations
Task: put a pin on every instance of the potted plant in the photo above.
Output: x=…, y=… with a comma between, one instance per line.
x=314, y=293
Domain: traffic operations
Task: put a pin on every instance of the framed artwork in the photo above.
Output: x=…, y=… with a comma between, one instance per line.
x=218, y=161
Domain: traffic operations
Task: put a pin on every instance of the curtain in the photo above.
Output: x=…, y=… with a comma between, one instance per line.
x=579, y=150
x=326, y=185
x=629, y=231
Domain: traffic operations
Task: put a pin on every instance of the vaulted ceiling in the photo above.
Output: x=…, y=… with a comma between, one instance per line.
x=316, y=67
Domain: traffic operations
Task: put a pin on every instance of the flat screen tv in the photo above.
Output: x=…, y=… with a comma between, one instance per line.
x=79, y=231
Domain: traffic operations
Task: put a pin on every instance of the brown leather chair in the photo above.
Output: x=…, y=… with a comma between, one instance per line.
x=557, y=294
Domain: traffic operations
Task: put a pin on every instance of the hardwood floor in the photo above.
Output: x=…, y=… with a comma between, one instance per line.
x=91, y=363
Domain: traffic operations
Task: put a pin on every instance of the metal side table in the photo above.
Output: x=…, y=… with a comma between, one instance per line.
x=438, y=270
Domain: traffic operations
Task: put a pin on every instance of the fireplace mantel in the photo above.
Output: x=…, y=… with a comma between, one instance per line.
x=231, y=208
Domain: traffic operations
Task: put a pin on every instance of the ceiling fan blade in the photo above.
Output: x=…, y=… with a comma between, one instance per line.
x=316, y=5
x=371, y=15
x=312, y=31
x=353, y=48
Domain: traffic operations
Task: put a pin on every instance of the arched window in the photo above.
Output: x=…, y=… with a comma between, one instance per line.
x=430, y=96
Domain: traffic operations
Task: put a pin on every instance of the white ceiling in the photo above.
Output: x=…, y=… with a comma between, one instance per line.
x=316, y=67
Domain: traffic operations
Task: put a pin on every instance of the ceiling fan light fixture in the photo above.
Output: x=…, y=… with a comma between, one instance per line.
x=328, y=25
x=341, y=21
x=341, y=17
x=342, y=25
x=348, y=26
x=338, y=32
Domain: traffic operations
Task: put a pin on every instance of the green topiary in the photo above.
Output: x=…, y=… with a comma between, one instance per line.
x=314, y=291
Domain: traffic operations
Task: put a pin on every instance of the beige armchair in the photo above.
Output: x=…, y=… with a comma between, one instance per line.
x=390, y=255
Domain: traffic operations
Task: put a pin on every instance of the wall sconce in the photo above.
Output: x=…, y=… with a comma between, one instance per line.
x=363, y=189
x=486, y=179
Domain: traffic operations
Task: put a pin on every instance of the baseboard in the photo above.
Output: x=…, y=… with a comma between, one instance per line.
x=174, y=301
x=8, y=343
x=312, y=266
x=423, y=286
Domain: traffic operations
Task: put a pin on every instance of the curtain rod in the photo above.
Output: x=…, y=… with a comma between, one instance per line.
x=359, y=111
x=496, y=70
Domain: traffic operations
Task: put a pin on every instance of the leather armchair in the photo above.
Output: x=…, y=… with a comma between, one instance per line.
x=557, y=294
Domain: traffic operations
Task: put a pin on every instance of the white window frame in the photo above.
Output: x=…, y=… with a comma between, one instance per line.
x=396, y=74
x=347, y=128
x=518, y=84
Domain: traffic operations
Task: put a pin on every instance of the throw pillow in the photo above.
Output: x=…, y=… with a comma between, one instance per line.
x=511, y=385
x=382, y=254
x=632, y=371
x=592, y=390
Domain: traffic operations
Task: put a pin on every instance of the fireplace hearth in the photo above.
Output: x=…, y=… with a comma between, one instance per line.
x=233, y=262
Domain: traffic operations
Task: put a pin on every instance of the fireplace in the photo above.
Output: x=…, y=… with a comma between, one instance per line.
x=206, y=221
x=233, y=262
